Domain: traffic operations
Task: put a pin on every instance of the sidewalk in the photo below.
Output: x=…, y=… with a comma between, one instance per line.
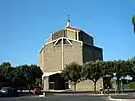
x=121, y=97
x=88, y=94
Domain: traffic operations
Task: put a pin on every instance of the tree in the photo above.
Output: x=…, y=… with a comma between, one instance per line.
x=92, y=71
x=26, y=75
x=5, y=70
x=5, y=65
x=122, y=67
x=107, y=68
x=133, y=22
x=72, y=72
x=38, y=82
x=133, y=19
x=132, y=61
x=18, y=79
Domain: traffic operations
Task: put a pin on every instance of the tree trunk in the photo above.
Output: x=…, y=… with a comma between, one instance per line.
x=74, y=88
x=94, y=87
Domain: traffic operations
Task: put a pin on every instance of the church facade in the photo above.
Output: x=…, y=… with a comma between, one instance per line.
x=64, y=46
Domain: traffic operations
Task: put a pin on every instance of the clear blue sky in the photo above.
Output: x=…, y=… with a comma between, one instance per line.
x=26, y=24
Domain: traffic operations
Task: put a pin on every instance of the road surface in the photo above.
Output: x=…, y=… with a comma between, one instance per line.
x=57, y=98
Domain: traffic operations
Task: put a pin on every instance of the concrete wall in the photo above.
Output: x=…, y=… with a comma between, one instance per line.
x=41, y=58
x=65, y=33
x=91, y=53
x=88, y=54
x=52, y=58
x=85, y=38
x=88, y=85
x=58, y=34
x=73, y=53
x=98, y=54
x=71, y=34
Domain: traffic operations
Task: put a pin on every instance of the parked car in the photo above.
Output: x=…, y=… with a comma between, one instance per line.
x=36, y=90
x=8, y=91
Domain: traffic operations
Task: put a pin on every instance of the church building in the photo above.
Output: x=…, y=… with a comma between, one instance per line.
x=64, y=46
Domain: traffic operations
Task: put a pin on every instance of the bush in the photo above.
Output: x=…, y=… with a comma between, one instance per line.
x=132, y=85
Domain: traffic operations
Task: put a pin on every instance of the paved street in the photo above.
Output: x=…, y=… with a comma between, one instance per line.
x=57, y=98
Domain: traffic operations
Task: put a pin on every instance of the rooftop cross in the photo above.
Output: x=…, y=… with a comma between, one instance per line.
x=68, y=22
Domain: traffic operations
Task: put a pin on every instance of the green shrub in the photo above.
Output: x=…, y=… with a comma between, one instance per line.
x=132, y=85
